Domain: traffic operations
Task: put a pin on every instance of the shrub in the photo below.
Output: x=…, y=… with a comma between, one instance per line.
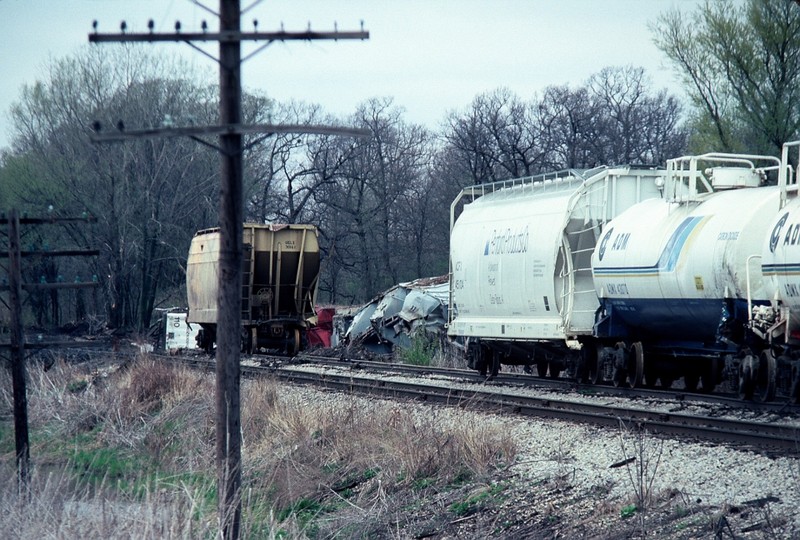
x=148, y=384
x=422, y=350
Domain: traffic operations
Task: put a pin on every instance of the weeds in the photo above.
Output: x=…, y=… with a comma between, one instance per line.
x=140, y=442
x=643, y=468
x=422, y=351
x=643, y=459
x=628, y=511
x=484, y=497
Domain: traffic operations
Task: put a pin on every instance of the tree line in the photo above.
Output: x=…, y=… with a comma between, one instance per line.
x=381, y=202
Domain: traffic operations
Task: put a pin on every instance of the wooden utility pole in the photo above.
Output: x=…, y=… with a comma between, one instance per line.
x=229, y=299
x=18, y=353
x=17, y=345
x=228, y=415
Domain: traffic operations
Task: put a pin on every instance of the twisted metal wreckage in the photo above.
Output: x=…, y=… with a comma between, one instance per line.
x=398, y=315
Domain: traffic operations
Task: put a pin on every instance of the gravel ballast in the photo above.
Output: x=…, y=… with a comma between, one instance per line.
x=580, y=481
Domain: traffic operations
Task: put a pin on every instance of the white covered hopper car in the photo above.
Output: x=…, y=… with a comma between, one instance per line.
x=521, y=289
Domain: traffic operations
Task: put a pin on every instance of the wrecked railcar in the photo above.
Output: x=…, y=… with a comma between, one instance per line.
x=396, y=316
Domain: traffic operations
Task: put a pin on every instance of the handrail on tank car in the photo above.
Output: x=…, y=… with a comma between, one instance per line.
x=787, y=180
x=685, y=168
x=749, y=295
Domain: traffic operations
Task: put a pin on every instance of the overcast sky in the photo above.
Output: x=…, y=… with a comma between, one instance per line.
x=432, y=56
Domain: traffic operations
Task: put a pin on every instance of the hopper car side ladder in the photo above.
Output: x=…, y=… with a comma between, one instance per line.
x=572, y=268
x=247, y=281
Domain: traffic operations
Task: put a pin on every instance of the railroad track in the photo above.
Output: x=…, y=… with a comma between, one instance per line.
x=564, y=385
x=353, y=377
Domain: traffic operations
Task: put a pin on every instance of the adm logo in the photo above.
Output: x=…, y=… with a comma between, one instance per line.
x=604, y=243
x=776, y=232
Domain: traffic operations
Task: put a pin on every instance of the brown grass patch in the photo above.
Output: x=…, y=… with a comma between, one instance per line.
x=310, y=460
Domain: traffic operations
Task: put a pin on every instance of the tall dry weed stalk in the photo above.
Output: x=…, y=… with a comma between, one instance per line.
x=642, y=470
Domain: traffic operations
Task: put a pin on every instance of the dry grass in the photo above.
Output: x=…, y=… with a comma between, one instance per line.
x=130, y=453
x=53, y=508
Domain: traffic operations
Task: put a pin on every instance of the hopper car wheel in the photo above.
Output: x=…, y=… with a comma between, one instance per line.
x=690, y=380
x=293, y=342
x=541, y=368
x=766, y=376
x=555, y=370
x=482, y=364
x=746, y=380
x=495, y=364
x=636, y=365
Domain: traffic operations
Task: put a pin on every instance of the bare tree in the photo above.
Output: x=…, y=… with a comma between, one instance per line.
x=634, y=125
x=569, y=120
x=150, y=196
x=497, y=137
x=366, y=201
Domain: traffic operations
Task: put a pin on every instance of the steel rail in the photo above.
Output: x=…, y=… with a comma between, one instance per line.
x=779, y=438
x=525, y=380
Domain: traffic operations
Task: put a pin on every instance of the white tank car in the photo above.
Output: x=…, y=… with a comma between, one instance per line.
x=520, y=262
x=778, y=324
x=675, y=275
x=780, y=265
x=665, y=269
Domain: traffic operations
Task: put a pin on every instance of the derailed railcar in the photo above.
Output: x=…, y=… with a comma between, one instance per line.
x=280, y=270
x=521, y=289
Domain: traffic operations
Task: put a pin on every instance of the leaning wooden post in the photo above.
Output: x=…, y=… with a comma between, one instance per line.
x=18, y=353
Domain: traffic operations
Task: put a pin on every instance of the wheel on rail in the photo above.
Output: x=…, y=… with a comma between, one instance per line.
x=709, y=378
x=541, y=368
x=592, y=358
x=690, y=380
x=480, y=362
x=293, y=342
x=746, y=377
x=636, y=365
x=766, y=376
x=494, y=364
x=555, y=369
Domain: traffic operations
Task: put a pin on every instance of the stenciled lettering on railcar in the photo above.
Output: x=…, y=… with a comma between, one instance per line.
x=508, y=242
x=776, y=232
x=620, y=242
x=792, y=236
x=604, y=243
